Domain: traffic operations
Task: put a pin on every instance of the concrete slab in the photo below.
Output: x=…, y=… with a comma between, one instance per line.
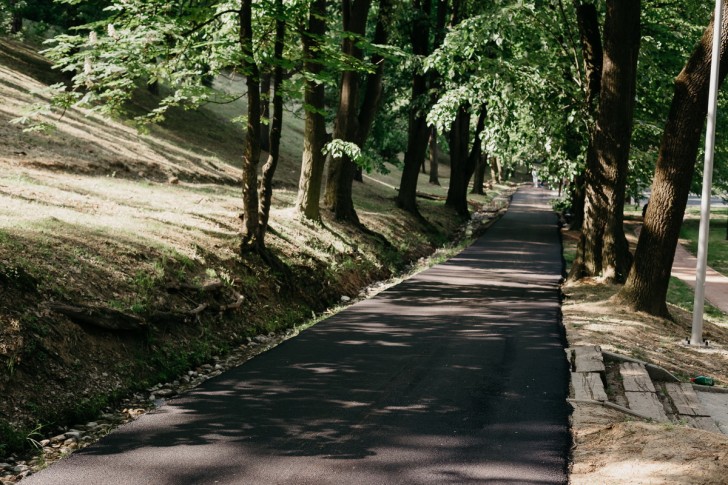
x=647, y=404
x=685, y=400
x=588, y=385
x=717, y=406
x=635, y=378
x=588, y=359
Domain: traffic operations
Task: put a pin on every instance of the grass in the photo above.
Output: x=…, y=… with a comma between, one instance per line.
x=717, y=243
x=683, y=296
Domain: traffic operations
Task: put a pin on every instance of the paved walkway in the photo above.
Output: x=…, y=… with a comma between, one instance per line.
x=716, y=285
x=455, y=376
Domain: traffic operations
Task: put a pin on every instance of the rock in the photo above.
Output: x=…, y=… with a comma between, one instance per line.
x=43, y=443
x=218, y=367
x=165, y=392
x=173, y=180
x=58, y=439
x=92, y=425
x=73, y=434
x=345, y=298
x=5, y=466
x=18, y=468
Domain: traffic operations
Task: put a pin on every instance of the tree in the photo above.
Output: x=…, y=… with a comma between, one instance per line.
x=265, y=189
x=648, y=280
x=603, y=249
x=251, y=155
x=355, y=117
x=417, y=123
x=313, y=159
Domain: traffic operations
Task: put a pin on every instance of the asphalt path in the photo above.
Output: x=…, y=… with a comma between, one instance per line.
x=455, y=376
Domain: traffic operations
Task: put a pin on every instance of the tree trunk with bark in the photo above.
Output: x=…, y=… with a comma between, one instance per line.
x=314, y=137
x=593, y=54
x=265, y=99
x=251, y=156
x=459, y=138
x=417, y=125
x=338, y=195
x=646, y=286
x=479, y=179
x=434, y=154
x=603, y=249
x=265, y=189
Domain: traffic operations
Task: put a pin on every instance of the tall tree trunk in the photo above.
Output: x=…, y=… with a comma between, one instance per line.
x=265, y=189
x=593, y=54
x=417, y=125
x=435, y=85
x=373, y=92
x=252, y=136
x=646, y=286
x=479, y=179
x=591, y=46
x=16, y=22
x=496, y=170
x=265, y=85
x=578, y=196
x=603, y=249
x=459, y=137
x=338, y=194
x=314, y=137
x=434, y=154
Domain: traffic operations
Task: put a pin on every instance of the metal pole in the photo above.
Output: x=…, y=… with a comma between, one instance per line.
x=696, y=337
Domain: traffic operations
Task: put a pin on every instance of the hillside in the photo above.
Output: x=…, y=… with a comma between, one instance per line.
x=119, y=266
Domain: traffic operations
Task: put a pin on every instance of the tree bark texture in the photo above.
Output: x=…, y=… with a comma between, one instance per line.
x=252, y=136
x=265, y=99
x=603, y=249
x=434, y=154
x=646, y=286
x=338, y=195
x=314, y=137
x=265, y=188
x=417, y=125
x=479, y=179
x=459, y=137
x=591, y=46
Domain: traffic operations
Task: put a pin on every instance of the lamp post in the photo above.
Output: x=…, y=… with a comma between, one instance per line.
x=696, y=337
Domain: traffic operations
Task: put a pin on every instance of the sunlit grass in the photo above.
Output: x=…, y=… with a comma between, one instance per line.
x=717, y=243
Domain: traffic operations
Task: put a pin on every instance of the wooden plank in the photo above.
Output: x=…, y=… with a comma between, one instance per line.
x=588, y=359
x=635, y=377
x=685, y=400
x=588, y=385
x=701, y=422
x=646, y=403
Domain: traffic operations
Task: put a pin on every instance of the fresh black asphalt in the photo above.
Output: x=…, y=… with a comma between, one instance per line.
x=455, y=376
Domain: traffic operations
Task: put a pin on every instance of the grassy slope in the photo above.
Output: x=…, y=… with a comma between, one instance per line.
x=88, y=215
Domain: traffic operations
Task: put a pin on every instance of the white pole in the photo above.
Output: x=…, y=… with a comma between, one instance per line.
x=697, y=334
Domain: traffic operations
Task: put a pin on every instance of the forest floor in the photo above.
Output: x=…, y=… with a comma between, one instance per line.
x=613, y=448
x=140, y=230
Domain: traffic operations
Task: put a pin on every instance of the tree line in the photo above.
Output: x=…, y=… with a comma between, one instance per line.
x=585, y=92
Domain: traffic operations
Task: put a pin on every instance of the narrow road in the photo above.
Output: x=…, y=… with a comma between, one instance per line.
x=455, y=376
